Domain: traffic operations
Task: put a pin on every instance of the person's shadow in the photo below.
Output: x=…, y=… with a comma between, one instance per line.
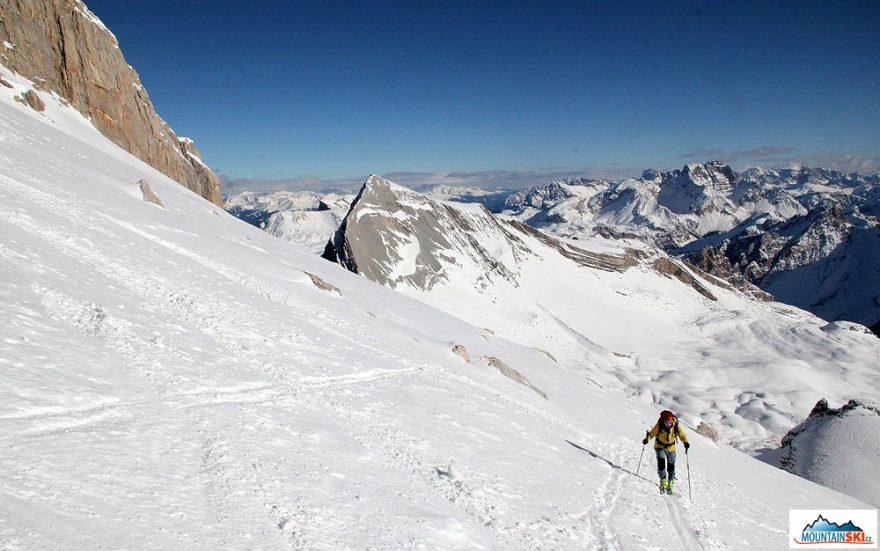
x=610, y=463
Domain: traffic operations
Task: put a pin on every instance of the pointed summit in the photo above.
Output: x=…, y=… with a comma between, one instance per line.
x=698, y=189
x=396, y=236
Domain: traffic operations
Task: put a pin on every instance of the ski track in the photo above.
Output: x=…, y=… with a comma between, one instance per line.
x=600, y=514
x=688, y=536
x=224, y=473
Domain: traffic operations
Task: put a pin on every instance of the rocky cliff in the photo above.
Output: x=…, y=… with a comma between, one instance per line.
x=63, y=47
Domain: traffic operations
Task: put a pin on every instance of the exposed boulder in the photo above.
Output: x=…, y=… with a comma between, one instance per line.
x=34, y=101
x=707, y=430
x=323, y=285
x=149, y=195
x=462, y=352
x=62, y=46
x=514, y=375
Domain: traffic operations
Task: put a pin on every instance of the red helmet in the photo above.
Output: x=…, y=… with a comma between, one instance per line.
x=667, y=415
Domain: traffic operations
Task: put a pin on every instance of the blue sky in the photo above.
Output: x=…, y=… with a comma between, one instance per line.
x=336, y=90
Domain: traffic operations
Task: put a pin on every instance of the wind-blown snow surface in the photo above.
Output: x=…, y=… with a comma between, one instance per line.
x=171, y=378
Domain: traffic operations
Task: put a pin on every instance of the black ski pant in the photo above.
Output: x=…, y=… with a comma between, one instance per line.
x=665, y=464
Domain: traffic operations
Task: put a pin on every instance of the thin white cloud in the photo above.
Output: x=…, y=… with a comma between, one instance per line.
x=487, y=179
x=718, y=154
x=771, y=157
x=762, y=152
x=776, y=157
x=232, y=186
x=839, y=161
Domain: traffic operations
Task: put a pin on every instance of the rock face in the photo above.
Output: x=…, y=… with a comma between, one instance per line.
x=397, y=237
x=64, y=48
x=826, y=261
x=393, y=236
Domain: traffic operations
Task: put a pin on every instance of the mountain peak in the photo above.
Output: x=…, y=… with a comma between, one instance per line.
x=697, y=188
x=396, y=236
x=68, y=50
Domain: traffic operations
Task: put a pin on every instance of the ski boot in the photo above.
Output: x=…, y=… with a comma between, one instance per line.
x=662, y=485
x=669, y=486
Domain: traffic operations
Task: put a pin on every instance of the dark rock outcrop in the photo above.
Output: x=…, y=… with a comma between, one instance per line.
x=671, y=268
x=64, y=48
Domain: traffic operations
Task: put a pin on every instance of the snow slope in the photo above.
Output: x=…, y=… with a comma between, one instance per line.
x=172, y=378
x=617, y=315
x=834, y=447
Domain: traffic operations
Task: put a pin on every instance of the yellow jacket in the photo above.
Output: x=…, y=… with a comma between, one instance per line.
x=666, y=437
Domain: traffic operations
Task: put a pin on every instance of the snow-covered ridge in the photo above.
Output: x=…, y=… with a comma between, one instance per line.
x=306, y=219
x=753, y=228
x=834, y=446
x=84, y=11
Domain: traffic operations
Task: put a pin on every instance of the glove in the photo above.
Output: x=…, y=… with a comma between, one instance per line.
x=645, y=442
x=686, y=446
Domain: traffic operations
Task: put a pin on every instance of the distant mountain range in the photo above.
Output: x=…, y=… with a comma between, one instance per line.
x=808, y=237
x=304, y=217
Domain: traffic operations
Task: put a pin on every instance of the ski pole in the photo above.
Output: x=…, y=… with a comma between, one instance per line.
x=640, y=460
x=688, y=463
